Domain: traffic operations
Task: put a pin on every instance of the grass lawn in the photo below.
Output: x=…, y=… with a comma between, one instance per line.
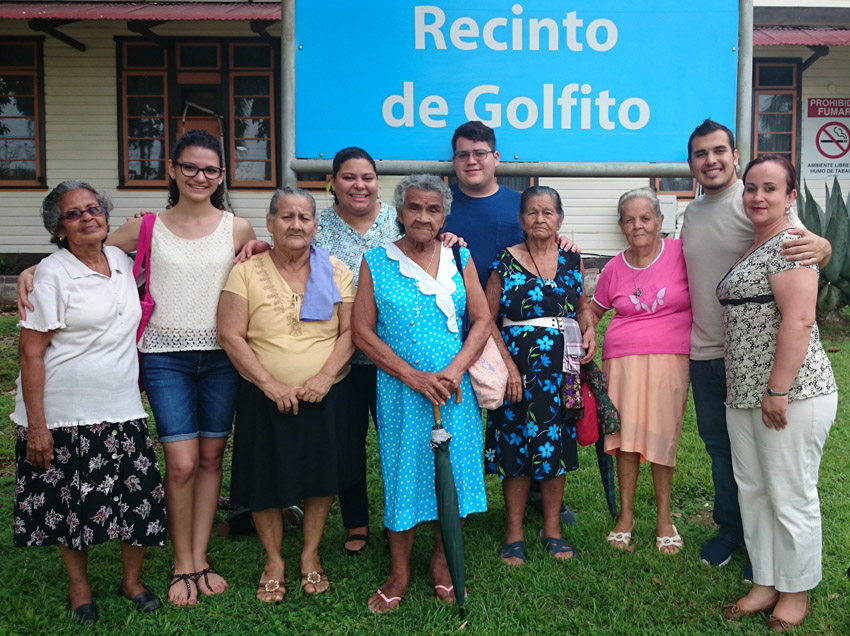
x=603, y=591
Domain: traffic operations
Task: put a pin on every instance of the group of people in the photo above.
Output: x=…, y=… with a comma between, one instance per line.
x=370, y=309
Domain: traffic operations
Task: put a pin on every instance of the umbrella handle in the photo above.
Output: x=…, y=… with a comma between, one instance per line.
x=437, y=418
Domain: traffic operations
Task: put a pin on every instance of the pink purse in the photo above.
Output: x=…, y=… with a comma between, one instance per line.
x=143, y=259
x=489, y=377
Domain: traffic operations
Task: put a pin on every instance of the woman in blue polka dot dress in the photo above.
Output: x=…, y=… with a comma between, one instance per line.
x=407, y=320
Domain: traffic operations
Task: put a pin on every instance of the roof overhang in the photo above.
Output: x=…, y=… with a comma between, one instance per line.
x=800, y=36
x=153, y=11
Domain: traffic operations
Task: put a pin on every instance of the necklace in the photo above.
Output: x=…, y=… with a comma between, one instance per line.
x=639, y=288
x=433, y=253
x=550, y=283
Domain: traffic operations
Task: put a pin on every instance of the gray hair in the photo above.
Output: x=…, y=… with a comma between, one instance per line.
x=426, y=182
x=289, y=191
x=50, y=207
x=639, y=193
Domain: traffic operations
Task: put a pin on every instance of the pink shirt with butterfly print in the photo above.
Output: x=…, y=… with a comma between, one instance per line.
x=658, y=320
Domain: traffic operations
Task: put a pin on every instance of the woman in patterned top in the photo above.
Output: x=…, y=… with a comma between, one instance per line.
x=781, y=402
x=531, y=437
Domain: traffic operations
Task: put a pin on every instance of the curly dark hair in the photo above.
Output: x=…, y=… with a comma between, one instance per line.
x=201, y=139
x=50, y=207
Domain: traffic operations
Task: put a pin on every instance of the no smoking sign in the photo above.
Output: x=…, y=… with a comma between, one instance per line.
x=833, y=140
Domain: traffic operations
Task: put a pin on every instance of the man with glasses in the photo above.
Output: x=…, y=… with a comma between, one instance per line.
x=486, y=215
x=483, y=212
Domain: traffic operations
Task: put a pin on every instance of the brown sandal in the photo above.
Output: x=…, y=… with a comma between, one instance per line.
x=272, y=586
x=313, y=578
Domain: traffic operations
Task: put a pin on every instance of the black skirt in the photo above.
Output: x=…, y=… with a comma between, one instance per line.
x=103, y=483
x=280, y=459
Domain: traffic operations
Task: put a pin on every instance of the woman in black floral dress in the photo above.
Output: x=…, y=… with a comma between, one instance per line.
x=531, y=437
x=86, y=469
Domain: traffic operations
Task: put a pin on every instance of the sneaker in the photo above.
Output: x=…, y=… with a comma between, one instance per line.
x=717, y=552
x=567, y=516
x=748, y=573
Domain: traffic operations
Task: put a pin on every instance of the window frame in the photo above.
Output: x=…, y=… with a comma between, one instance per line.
x=683, y=195
x=178, y=79
x=794, y=90
x=37, y=72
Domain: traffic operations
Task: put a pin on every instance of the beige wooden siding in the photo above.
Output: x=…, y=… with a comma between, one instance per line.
x=81, y=129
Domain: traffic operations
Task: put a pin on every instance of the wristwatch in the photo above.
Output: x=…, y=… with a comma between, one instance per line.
x=773, y=393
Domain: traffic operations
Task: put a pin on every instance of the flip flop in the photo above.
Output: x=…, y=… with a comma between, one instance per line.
x=515, y=549
x=271, y=586
x=387, y=602
x=313, y=578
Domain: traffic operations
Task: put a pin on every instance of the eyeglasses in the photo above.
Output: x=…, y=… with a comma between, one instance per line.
x=190, y=170
x=74, y=215
x=479, y=154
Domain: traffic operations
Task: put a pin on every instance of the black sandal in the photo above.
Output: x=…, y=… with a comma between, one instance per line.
x=188, y=576
x=356, y=537
x=203, y=573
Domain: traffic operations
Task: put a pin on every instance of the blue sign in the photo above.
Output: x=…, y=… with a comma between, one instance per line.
x=585, y=80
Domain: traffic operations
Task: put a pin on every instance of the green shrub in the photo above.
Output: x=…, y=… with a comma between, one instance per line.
x=834, y=225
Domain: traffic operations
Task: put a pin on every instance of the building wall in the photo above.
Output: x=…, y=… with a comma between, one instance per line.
x=81, y=129
x=829, y=76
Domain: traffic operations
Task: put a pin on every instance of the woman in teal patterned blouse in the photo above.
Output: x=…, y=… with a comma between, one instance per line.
x=355, y=223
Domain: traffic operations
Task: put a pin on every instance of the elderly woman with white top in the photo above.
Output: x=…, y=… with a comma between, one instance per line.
x=86, y=469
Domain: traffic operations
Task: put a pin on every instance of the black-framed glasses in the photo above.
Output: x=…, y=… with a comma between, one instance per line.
x=92, y=210
x=189, y=170
x=479, y=154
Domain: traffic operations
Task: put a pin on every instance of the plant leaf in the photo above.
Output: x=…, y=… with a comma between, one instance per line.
x=813, y=214
x=837, y=233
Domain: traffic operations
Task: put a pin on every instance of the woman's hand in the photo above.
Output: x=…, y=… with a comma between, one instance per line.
x=449, y=240
x=513, y=391
x=25, y=279
x=39, y=446
x=566, y=244
x=588, y=341
x=316, y=388
x=251, y=248
x=450, y=380
x=285, y=396
x=774, y=411
x=429, y=385
x=809, y=249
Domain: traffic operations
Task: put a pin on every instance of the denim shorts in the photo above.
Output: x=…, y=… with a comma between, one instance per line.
x=191, y=393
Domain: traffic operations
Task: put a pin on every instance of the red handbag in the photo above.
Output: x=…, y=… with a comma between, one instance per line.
x=587, y=426
x=143, y=259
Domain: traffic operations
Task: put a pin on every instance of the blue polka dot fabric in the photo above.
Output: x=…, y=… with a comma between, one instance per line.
x=413, y=325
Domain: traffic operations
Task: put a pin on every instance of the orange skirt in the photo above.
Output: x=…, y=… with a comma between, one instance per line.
x=650, y=392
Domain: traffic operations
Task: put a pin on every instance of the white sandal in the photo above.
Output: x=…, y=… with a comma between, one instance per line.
x=674, y=541
x=619, y=537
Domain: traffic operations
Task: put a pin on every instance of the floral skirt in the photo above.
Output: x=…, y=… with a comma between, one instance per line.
x=103, y=483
